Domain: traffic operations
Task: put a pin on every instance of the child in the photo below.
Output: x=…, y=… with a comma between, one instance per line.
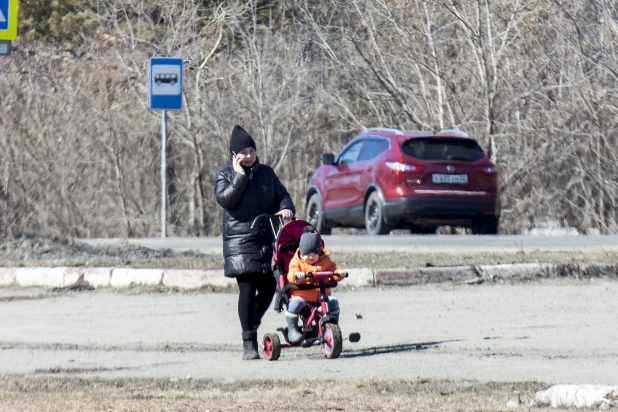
x=309, y=257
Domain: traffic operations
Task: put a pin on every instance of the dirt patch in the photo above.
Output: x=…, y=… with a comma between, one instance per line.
x=570, y=271
x=69, y=394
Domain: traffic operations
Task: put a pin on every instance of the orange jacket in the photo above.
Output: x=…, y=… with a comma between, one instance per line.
x=297, y=264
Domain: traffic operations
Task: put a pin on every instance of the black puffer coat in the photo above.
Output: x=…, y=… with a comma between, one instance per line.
x=243, y=198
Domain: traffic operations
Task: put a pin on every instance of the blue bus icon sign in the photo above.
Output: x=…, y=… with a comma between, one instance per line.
x=165, y=83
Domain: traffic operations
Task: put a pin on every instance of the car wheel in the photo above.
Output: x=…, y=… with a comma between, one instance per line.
x=315, y=215
x=374, y=216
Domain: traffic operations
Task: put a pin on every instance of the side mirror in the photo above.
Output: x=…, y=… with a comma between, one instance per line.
x=328, y=159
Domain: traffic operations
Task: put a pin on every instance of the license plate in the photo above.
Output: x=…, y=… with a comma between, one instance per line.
x=450, y=179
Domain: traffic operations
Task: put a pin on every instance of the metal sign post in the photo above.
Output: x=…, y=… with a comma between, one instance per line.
x=163, y=173
x=165, y=82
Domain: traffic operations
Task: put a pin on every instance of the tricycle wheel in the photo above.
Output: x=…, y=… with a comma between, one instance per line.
x=272, y=346
x=331, y=348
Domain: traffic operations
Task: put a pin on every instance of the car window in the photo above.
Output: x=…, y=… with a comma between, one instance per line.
x=372, y=149
x=351, y=153
x=466, y=150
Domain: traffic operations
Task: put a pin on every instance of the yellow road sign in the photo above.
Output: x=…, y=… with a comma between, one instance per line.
x=8, y=19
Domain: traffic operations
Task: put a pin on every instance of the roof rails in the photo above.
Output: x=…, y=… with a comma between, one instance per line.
x=452, y=132
x=385, y=129
x=443, y=132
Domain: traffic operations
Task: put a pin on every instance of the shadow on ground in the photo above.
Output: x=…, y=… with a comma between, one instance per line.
x=381, y=350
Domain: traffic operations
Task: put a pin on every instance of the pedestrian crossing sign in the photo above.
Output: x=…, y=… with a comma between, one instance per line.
x=8, y=19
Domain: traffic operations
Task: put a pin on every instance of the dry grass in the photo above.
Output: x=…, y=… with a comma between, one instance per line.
x=41, y=251
x=409, y=260
x=72, y=394
x=382, y=260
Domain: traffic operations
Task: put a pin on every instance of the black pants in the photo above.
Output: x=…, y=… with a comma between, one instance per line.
x=256, y=294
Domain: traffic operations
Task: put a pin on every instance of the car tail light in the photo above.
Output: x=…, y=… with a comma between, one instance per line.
x=402, y=167
x=488, y=170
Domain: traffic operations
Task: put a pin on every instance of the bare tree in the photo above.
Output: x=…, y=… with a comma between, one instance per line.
x=534, y=81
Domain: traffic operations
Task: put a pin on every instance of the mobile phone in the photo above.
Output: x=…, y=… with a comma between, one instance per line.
x=234, y=154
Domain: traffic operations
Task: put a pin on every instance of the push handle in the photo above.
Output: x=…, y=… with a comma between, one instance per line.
x=259, y=218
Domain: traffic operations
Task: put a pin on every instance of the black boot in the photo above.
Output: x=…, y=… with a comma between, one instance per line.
x=254, y=344
x=335, y=315
x=254, y=340
x=249, y=345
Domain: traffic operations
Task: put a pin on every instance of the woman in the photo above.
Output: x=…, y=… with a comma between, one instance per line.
x=246, y=189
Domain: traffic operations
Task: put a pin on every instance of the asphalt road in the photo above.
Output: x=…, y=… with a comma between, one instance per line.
x=408, y=243
x=554, y=332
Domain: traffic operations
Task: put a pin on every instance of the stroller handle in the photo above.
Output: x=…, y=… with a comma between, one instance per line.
x=270, y=217
x=259, y=218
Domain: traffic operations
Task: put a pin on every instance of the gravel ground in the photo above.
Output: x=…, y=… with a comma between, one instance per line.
x=62, y=393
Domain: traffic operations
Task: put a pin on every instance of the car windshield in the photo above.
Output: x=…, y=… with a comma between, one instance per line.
x=431, y=148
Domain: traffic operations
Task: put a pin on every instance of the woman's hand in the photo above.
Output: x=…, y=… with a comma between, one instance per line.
x=286, y=214
x=236, y=160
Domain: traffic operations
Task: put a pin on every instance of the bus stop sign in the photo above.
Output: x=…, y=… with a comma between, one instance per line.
x=8, y=19
x=164, y=83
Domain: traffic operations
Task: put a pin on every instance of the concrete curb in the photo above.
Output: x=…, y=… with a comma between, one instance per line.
x=52, y=277
x=195, y=278
x=7, y=276
x=358, y=277
x=98, y=277
x=489, y=272
x=423, y=275
x=123, y=277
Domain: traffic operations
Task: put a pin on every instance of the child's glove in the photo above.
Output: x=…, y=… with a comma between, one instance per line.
x=300, y=276
x=340, y=273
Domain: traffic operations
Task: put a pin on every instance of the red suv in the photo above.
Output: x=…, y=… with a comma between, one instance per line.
x=385, y=179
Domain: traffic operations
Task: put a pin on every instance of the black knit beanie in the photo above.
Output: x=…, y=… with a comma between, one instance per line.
x=240, y=140
x=309, y=243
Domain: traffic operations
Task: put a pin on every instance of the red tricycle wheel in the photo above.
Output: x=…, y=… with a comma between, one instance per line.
x=333, y=345
x=272, y=346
